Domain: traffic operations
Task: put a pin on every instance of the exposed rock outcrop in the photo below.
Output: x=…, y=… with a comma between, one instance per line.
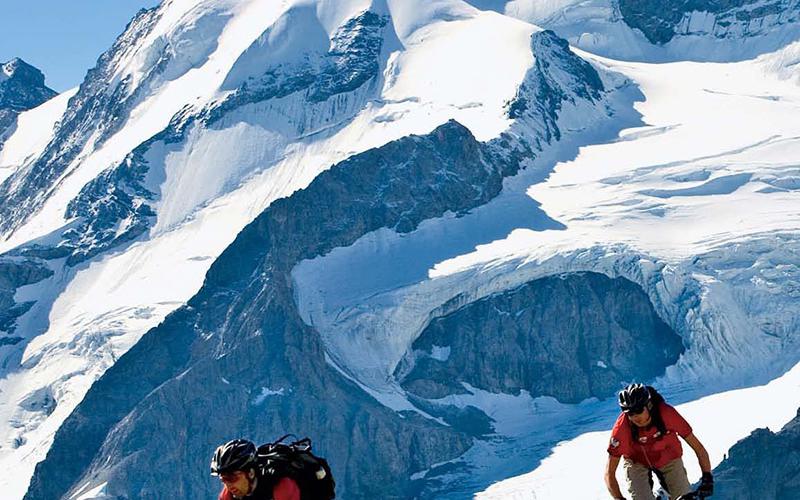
x=21, y=88
x=765, y=464
x=660, y=21
x=571, y=337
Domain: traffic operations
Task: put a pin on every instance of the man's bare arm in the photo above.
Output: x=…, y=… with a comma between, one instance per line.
x=700, y=451
x=611, y=477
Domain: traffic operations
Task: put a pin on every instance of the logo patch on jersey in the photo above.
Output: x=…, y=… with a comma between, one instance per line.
x=614, y=443
x=643, y=439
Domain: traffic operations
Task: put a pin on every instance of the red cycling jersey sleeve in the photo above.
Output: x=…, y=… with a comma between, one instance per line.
x=286, y=489
x=620, y=443
x=673, y=420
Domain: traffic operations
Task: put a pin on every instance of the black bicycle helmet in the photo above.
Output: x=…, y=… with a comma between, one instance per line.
x=634, y=398
x=238, y=454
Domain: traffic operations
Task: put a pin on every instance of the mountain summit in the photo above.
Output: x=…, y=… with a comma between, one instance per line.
x=21, y=88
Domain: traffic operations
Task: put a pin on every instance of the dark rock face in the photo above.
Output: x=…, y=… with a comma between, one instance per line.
x=660, y=21
x=243, y=328
x=763, y=465
x=21, y=88
x=100, y=106
x=352, y=61
x=570, y=337
x=558, y=76
x=15, y=273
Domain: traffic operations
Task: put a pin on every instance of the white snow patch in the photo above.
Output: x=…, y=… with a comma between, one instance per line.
x=96, y=493
x=440, y=353
x=267, y=392
x=33, y=131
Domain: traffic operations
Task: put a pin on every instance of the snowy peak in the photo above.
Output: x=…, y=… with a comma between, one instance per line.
x=557, y=77
x=99, y=109
x=22, y=86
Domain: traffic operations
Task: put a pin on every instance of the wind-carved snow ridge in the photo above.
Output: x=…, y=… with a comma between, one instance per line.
x=784, y=63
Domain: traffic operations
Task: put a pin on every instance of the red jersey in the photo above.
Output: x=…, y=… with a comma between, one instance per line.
x=652, y=449
x=285, y=489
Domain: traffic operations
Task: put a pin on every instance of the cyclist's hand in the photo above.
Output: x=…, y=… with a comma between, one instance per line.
x=706, y=485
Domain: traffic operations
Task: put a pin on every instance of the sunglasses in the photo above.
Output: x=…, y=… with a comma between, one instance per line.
x=635, y=411
x=230, y=477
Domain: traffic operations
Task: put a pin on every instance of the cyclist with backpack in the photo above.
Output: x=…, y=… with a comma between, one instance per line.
x=236, y=464
x=273, y=471
x=645, y=439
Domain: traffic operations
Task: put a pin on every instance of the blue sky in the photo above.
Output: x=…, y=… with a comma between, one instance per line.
x=63, y=38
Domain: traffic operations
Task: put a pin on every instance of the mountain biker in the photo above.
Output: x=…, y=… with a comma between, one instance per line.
x=235, y=464
x=645, y=438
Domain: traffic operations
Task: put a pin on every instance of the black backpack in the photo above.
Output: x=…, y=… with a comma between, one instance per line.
x=295, y=460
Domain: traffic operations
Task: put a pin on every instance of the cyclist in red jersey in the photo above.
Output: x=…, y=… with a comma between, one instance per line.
x=645, y=439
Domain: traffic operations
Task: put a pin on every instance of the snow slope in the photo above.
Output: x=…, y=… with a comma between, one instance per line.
x=32, y=132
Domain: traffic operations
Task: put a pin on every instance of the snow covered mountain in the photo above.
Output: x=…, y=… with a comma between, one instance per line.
x=423, y=233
